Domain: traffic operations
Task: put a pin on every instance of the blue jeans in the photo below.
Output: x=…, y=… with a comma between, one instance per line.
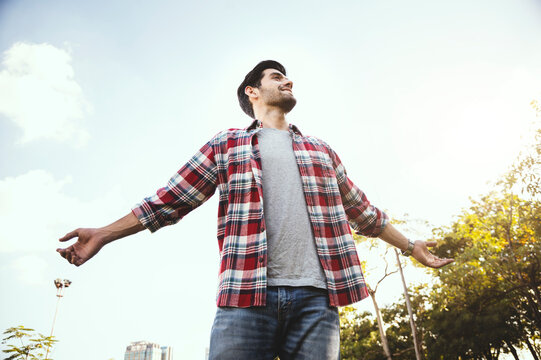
x=297, y=323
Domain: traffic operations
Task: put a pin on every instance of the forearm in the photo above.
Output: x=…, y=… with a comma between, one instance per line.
x=91, y=240
x=394, y=237
x=128, y=225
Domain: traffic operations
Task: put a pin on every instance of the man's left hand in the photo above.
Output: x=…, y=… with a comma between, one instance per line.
x=420, y=253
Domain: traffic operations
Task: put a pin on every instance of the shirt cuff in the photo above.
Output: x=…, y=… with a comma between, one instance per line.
x=143, y=213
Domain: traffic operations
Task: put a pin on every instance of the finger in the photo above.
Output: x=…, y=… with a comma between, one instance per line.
x=75, y=258
x=69, y=256
x=438, y=263
x=70, y=235
x=431, y=243
x=62, y=252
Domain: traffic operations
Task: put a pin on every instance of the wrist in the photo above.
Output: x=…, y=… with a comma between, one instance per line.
x=104, y=236
x=409, y=249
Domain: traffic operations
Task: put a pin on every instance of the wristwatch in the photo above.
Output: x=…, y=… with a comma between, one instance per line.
x=408, y=251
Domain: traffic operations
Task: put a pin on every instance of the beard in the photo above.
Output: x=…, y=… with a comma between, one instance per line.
x=286, y=103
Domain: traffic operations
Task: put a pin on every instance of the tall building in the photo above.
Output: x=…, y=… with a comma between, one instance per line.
x=167, y=353
x=144, y=350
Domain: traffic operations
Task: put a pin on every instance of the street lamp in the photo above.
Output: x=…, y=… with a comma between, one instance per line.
x=60, y=286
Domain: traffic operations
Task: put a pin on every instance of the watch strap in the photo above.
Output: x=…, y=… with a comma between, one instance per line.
x=409, y=250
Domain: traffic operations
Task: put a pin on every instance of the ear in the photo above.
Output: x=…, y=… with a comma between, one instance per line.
x=252, y=92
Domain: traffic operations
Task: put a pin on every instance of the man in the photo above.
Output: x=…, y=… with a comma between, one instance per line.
x=286, y=206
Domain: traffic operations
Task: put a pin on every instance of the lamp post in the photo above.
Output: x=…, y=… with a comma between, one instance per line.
x=60, y=286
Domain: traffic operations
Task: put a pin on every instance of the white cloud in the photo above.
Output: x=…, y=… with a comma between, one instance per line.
x=39, y=94
x=35, y=211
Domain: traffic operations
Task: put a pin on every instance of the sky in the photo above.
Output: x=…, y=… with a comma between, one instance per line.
x=426, y=102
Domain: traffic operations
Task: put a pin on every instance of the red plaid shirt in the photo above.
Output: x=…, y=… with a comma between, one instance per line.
x=231, y=162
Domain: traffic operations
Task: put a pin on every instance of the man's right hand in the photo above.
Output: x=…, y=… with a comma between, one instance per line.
x=89, y=243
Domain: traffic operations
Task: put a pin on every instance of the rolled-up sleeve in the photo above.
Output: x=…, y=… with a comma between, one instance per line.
x=190, y=187
x=363, y=217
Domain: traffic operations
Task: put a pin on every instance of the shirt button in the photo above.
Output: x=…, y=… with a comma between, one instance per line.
x=262, y=229
x=261, y=259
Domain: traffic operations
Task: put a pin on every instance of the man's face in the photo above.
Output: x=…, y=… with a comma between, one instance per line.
x=277, y=90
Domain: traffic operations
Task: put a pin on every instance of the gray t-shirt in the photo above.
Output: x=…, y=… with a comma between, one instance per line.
x=291, y=249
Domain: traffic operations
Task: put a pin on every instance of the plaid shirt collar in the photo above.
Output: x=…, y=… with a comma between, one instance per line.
x=256, y=125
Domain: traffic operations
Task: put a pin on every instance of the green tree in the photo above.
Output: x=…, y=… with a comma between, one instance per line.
x=399, y=331
x=488, y=302
x=359, y=336
x=29, y=345
x=484, y=305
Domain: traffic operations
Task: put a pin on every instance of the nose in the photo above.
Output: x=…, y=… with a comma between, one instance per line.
x=288, y=83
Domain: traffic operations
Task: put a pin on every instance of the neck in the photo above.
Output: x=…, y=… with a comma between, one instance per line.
x=273, y=118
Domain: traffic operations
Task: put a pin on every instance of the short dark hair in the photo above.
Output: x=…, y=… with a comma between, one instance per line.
x=253, y=78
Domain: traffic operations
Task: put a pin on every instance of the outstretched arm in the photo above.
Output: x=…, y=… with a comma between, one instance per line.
x=368, y=220
x=91, y=240
x=191, y=186
x=420, y=251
